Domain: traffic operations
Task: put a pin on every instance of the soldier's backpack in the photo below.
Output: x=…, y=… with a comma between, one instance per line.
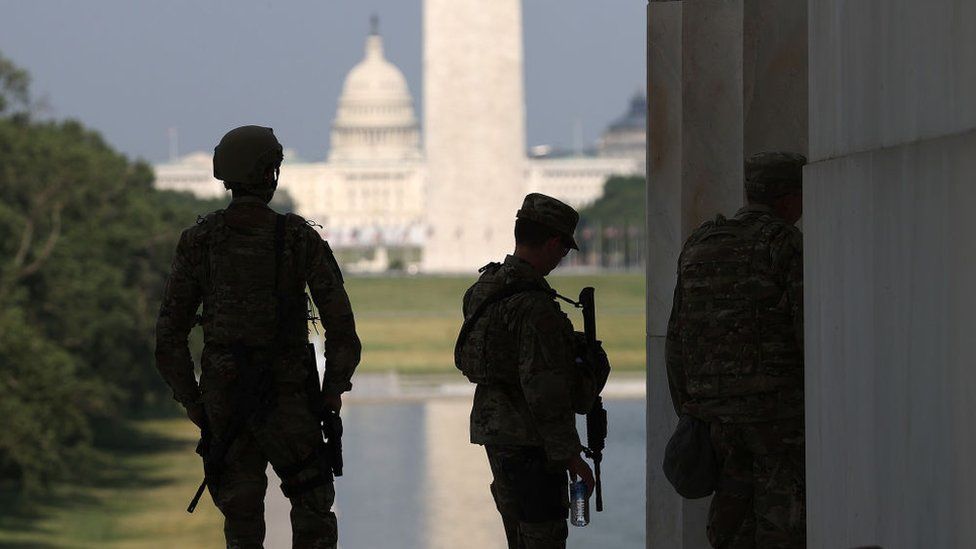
x=484, y=350
x=726, y=288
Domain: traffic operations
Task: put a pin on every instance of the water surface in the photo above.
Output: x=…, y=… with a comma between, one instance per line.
x=413, y=481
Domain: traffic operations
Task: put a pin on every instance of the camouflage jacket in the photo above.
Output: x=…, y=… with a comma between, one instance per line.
x=735, y=337
x=533, y=398
x=227, y=263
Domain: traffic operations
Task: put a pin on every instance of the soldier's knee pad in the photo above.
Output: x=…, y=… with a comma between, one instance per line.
x=317, y=502
x=309, y=474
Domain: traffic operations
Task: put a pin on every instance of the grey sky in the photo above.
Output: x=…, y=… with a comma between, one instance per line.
x=133, y=68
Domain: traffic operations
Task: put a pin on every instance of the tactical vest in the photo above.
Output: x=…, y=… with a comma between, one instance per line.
x=486, y=351
x=736, y=333
x=248, y=297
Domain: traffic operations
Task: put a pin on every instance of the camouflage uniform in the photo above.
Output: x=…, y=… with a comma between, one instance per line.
x=526, y=400
x=227, y=262
x=735, y=359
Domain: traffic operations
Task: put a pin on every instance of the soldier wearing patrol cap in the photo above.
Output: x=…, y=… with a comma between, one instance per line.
x=735, y=356
x=259, y=389
x=519, y=347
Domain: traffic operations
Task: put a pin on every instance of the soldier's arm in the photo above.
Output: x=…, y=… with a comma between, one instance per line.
x=547, y=374
x=342, y=346
x=673, y=355
x=787, y=257
x=181, y=297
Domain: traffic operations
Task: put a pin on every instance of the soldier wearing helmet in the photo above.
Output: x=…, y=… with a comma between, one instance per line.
x=735, y=356
x=249, y=267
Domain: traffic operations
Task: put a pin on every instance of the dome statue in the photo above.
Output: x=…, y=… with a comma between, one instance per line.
x=375, y=119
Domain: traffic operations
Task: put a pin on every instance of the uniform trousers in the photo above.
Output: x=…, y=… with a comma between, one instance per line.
x=286, y=435
x=531, y=495
x=760, y=501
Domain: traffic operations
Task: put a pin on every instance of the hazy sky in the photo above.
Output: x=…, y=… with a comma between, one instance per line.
x=133, y=68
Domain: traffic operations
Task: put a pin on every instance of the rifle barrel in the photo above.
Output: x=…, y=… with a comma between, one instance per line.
x=599, y=485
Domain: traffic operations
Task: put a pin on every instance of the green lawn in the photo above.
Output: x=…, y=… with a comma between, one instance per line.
x=136, y=499
x=409, y=324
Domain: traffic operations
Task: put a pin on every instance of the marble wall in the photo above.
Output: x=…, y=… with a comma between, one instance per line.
x=889, y=265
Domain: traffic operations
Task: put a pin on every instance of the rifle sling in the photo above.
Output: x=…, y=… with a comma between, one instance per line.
x=504, y=292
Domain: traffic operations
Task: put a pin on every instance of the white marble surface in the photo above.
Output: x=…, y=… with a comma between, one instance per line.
x=774, y=75
x=664, y=506
x=887, y=73
x=711, y=106
x=890, y=265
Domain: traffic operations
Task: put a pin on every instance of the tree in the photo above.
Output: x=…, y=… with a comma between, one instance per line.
x=85, y=245
x=622, y=203
x=612, y=228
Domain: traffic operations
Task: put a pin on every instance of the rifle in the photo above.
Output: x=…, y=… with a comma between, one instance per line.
x=251, y=397
x=596, y=418
x=329, y=420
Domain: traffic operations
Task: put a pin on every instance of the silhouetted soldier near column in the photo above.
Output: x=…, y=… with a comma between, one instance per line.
x=735, y=356
x=521, y=350
x=258, y=390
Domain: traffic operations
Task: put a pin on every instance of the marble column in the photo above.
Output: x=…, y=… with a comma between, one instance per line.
x=664, y=525
x=725, y=78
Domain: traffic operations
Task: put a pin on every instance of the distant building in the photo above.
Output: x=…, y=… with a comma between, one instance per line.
x=372, y=194
x=627, y=136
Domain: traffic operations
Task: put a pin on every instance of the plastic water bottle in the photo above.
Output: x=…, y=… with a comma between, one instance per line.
x=579, y=504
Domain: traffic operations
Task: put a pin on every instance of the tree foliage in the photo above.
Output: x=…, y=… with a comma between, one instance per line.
x=622, y=204
x=85, y=245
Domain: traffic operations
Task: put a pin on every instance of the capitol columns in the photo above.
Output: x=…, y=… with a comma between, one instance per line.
x=725, y=78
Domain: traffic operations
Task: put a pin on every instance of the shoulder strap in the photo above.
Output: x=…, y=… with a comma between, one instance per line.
x=279, y=251
x=213, y=224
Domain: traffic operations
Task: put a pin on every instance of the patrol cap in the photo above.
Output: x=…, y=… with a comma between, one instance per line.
x=547, y=211
x=770, y=175
x=244, y=154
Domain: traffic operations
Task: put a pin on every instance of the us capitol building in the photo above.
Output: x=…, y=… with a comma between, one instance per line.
x=372, y=194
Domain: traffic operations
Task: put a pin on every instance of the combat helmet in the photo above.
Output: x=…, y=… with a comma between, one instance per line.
x=244, y=155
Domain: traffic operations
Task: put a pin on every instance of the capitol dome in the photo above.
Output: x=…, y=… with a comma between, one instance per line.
x=375, y=119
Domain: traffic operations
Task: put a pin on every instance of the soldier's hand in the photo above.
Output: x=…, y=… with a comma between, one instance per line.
x=578, y=467
x=333, y=402
x=197, y=415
